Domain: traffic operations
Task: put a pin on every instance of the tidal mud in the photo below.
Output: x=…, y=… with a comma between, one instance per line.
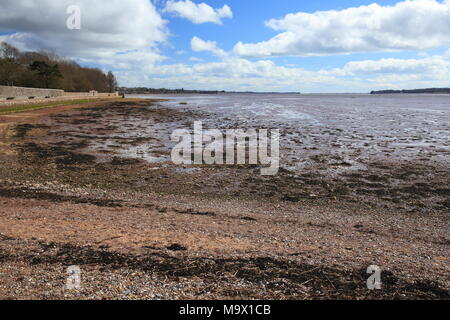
x=345, y=198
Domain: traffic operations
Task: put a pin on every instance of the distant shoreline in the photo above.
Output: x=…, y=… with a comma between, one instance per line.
x=414, y=91
x=162, y=91
x=183, y=91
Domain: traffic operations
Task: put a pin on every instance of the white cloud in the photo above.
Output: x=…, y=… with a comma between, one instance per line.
x=137, y=60
x=239, y=67
x=118, y=34
x=198, y=13
x=234, y=73
x=409, y=25
x=124, y=36
x=434, y=65
x=198, y=44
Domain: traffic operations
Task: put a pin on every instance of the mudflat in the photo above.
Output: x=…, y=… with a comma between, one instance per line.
x=95, y=187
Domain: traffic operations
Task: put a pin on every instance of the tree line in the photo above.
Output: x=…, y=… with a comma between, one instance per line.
x=44, y=69
x=413, y=91
x=143, y=90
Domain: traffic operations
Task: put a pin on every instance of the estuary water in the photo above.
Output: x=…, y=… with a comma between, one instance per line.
x=345, y=127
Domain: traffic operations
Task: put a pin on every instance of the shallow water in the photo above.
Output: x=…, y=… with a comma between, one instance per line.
x=350, y=127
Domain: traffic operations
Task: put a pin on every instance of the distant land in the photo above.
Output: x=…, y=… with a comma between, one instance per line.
x=429, y=90
x=143, y=90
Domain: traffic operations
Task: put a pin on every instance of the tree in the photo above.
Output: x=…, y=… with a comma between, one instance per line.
x=9, y=66
x=37, y=69
x=9, y=72
x=46, y=72
x=7, y=51
x=111, y=81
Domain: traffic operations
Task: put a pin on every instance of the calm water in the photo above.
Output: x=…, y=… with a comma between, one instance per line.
x=352, y=127
x=417, y=120
x=360, y=111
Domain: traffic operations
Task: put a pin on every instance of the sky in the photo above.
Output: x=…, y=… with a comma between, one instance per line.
x=245, y=45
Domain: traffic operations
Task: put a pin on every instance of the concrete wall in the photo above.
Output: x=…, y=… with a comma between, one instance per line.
x=25, y=93
x=81, y=94
x=17, y=93
x=114, y=94
x=91, y=94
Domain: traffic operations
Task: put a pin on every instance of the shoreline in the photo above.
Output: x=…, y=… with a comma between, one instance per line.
x=182, y=237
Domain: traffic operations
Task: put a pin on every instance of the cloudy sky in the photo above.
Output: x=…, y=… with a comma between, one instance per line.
x=257, y=45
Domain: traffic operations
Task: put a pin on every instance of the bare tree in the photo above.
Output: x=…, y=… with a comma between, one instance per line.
x=111, y=81
x=7, y=51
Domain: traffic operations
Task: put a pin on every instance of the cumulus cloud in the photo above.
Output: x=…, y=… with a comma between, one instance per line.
x=408, y=25
x=230, y=68
x=434, y=65
x=125, y=36
x=437, y=67
x=198, y=13
x=118, y=33
x=137, y=60
x=234, y=73
x=198, y=44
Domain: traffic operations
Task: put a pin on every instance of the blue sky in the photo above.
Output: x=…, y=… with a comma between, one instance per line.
x=248, y=25
x=284, y=45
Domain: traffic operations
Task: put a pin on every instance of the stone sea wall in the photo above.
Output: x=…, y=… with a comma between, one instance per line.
x=7, y=92
x=13, y=94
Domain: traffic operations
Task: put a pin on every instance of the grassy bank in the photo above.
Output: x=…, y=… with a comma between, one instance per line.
x=29, y=107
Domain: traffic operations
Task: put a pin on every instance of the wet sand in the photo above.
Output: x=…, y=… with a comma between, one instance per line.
x=95, y=187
